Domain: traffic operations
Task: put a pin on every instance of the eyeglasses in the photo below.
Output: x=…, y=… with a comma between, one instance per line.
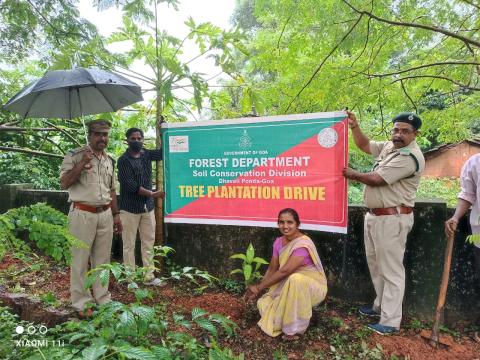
x=396, y=131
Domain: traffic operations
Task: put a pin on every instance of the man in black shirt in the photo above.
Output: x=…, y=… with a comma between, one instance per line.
x=136, y=201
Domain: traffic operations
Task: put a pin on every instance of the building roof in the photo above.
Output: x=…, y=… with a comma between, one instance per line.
x=436, y=151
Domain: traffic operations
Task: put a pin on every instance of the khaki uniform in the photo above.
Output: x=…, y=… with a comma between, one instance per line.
x=94, y=229
x=145, y=224
x=385, y=236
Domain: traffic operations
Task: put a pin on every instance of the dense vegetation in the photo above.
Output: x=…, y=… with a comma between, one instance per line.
x=283, y=56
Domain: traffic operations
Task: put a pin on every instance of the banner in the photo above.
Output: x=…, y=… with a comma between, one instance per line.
x=244, y=171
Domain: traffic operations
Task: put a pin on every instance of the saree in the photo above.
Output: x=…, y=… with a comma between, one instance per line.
x=287, y=306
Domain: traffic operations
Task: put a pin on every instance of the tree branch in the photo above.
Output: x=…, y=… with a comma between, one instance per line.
x=471, y=4
x=19, y=129
x=421, y=67
x=323, y=62
x=408, y=96
x=63, y=131
x=437, y=77
x=284, y=27
x=366, y=43
x=27, y=151
x=415, y=25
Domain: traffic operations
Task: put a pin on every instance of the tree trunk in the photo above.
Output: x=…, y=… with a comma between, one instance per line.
x=159, y=239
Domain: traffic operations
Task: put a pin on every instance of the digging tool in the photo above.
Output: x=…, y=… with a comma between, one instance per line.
x=433, y=336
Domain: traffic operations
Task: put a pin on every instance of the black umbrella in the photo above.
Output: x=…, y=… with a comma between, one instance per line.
x=72, y=93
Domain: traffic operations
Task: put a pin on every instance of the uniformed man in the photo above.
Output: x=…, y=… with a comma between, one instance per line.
x=88, y=174
x=389, y=195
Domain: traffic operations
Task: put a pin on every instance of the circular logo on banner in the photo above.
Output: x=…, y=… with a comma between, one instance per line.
x=327, y=137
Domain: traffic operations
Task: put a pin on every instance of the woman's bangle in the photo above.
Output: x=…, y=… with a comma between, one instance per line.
x=115, y=213
x=353, y=127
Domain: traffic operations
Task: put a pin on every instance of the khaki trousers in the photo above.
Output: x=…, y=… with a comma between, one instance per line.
x=145, y=224
x=385, y=238
x=96, y=231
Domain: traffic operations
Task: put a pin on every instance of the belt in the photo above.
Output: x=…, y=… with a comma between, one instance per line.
x=395, y=210
x=92, y=209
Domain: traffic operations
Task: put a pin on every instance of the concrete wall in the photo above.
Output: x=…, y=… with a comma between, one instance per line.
x=208, y=247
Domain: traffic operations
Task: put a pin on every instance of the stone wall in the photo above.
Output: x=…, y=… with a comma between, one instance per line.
x=208, y=247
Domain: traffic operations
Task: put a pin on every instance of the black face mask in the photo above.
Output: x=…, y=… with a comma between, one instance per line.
x=135, y=146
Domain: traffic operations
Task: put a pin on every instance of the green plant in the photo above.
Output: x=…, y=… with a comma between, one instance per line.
x=50, y=299
x=443, y=188
x=206, y=321
x=118, y=331
x=250, y=265
x=45, y=226
x=474, y=239
x=417, y=325
x=200, y=278
x=122, y=274
x=279, y=355
x=232, y=286
x=215, y=353
x=336, y=322
x=9, y=243
x=444, y=328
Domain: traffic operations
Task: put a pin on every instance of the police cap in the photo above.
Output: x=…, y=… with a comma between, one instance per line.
x=409, y=118
x=99, y=125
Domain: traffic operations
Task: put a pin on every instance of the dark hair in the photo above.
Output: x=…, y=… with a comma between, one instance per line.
x=132, y=130
x=292, y=212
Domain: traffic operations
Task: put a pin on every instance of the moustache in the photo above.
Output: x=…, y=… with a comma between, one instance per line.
x=398, y=140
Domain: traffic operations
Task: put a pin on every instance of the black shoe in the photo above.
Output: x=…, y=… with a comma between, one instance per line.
x=368, y=311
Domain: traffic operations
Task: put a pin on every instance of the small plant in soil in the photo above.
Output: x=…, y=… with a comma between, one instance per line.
x=50, y=299
x=417, y=325
x=445, y=329
x=250, y=265
x=232, y=286
x=122, y=274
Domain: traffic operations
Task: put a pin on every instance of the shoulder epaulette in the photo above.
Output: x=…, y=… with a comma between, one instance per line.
x=417, y=164
x=76, y=151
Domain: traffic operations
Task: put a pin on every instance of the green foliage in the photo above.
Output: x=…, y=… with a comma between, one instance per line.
x=474, y=239
x=125, y=274
x=50, y=299
x=279, y=355
x=439, y=189
x=300, y=61
x=355, y=193
x=250, y=265
x=9, y=242
x=122, y=274
x=215, y=353
x=45, y=226
x=119, y=331
x=417, y=325
x=232, y=286
x=18, y=168
x=444, y=189
x=198, y=277
x=341, y=348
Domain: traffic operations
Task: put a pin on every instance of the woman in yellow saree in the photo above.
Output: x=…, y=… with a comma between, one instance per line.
x=295, y=279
